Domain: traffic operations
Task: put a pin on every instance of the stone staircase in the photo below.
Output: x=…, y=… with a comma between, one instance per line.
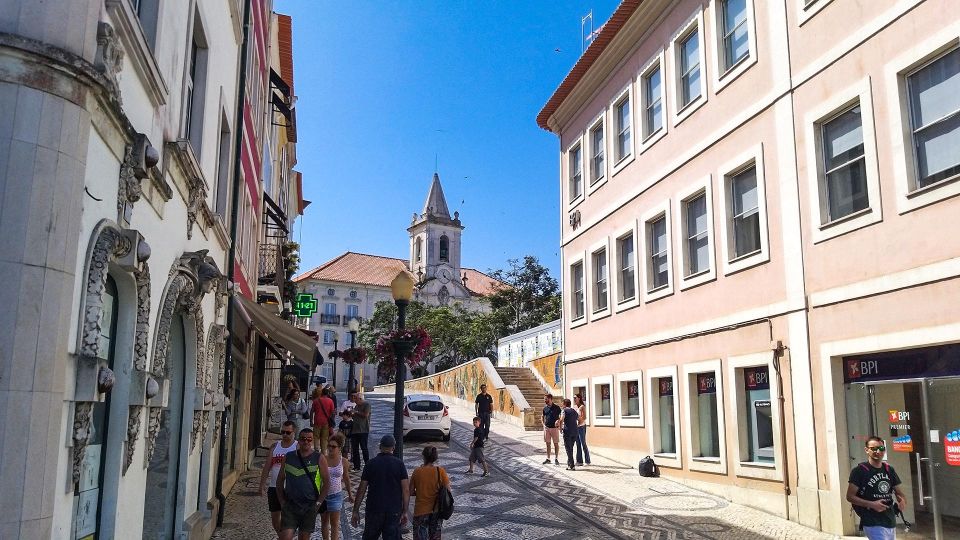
x=530, y=387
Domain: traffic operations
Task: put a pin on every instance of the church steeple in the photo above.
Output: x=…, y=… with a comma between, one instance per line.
x=435, y=236
x=436, y=203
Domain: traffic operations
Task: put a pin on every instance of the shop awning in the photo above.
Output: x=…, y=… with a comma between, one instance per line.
x=278, y=331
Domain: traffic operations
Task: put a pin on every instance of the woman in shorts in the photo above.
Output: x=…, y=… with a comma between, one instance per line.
x=339, y=487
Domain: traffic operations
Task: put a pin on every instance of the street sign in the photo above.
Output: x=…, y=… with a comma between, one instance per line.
x=305, y=305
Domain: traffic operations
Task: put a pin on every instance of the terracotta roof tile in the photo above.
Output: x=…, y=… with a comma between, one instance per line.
x=379, y=271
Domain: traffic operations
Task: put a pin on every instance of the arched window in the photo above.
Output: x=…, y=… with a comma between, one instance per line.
x=418, y=250
x=444, y=248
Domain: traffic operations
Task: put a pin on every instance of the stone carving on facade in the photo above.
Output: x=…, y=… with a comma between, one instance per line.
x=574, y=219
x=109, y=56
x=82, y=416
x=153, y=429
x=138, y=160
x=133, y=433
x=196, y=203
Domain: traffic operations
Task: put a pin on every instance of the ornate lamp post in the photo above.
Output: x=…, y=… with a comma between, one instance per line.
x=336, y=341
x=353, y=326
x=402, y=290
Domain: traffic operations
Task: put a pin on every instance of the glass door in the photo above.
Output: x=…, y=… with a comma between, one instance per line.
x=943, y=468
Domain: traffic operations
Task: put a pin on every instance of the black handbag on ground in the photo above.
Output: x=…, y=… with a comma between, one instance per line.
x=648, y=468
x=444, y=505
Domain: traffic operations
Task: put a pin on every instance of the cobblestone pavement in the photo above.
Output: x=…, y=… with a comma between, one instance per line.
x=522, y=499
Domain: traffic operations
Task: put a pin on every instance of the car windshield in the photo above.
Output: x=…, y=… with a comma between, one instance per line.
x=425, y=405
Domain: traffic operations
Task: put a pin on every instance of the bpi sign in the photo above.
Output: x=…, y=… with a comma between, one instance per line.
x=862, y=368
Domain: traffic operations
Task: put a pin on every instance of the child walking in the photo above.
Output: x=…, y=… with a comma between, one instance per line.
x=344, y=427
x=476, y=447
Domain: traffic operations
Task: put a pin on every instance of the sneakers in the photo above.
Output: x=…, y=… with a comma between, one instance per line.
x=546, y=461
x=571, y=468
x=485, y=474
x=556, y=462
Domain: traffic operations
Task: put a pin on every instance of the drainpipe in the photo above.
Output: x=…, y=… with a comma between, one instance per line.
x=232, y=254
x=778, y=350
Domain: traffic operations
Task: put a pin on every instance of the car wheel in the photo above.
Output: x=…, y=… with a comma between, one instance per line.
x=446, y=438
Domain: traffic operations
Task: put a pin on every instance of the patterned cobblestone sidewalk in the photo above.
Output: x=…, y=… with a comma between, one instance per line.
x=523, y=499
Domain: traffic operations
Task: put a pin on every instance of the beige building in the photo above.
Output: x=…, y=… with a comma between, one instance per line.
x=758, y=263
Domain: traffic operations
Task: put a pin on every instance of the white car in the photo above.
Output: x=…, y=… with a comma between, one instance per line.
x=426, y=414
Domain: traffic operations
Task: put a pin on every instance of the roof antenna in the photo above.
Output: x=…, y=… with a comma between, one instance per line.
x=436, y=163
x=586, y=36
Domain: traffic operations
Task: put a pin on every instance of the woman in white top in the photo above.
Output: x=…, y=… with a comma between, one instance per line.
x=297, y=410
x=582, y=451
x=271, y=468
x=339, y=487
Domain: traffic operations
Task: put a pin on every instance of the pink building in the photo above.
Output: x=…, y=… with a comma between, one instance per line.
x=760, y=256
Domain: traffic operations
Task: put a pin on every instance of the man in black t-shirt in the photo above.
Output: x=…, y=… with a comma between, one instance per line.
x=389, y=497
x=873, y=489
x=568, y=419
x=551, y=430
x=484, y=408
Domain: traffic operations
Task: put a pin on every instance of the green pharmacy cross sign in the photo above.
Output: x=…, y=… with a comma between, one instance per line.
x=305, y=305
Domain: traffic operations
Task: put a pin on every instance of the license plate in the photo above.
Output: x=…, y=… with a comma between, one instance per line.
x=427, y=417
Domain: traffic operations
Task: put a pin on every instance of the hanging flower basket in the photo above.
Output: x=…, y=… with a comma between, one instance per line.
x=353, y=355
x=414, y=342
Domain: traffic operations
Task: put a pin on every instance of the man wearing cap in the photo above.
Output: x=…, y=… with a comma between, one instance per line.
x=484, y=408
x=386, y=477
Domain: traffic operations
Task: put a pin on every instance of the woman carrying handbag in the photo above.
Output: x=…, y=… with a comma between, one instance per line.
x=426, y=483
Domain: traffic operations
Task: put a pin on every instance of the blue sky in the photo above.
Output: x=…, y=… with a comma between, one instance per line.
x=384, y=88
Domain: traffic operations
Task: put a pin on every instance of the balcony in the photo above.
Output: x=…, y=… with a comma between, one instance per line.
x=346, y=319
x=326, y=318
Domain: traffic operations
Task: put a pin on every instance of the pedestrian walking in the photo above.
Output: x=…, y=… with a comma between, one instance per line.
x=874, y=491
x=332, y=394
x=323, y=412
x=551, y=428
x=302, y=487
x=271, y=469
x=583, y=453
x=425, y=485
x=568, y=419
x=386, y=511
x=297, y=410
x=339, y=487
x=345, y=427
x=360, y=432
x=484, y=408
x=476, y=447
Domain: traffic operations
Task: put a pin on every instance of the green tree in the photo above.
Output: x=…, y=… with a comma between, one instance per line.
x=528, y=296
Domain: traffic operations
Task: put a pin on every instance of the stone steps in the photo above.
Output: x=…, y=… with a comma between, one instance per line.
x=529, y=386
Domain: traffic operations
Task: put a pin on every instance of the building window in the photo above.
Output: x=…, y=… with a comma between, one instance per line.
x=630, y=390
x=353, y=311
x=696, y=235
x=597, y=164
x=759, y=416
x=223, y=167
x=745, y=215
x=331, y=292
x=444, y=248
x=736, y=42
x=418, y=249
x=603, y=408
x=330, y=308
x=600, y=280
x=576, y=285
x=689, y=68
x=843, y=178
x=623, y=128
x=707, y=419
x=658, y=264
x=328, y=337
x=934, y=93
x=652, y=102
x=576, y=172
x=626, y=285
x=665, y=428
x=196, y=81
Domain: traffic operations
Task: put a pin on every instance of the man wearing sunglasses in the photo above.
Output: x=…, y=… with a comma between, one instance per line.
x=271, y=468
x=874, y=491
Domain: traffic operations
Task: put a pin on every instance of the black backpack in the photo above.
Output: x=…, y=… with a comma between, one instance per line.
x=648, y=468
x=444, y=504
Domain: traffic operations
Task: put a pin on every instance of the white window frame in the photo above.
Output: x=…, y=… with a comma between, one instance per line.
x=622, y=419
x=896, y=73
x=722, y=76
x=813, y=121
x=599, y=121
x=595, y=383
x=594, y=249
x=726, y=173
x=585, y=384
x=705, y=186
x=637, y=291
x=575, y=322
x=806, y=10
x=651, y=215
x=657, y=62
x=735, y=367
x=681, y=112
x=716, y=465
x=619, y=164
x=568, y=172
x=674, y=460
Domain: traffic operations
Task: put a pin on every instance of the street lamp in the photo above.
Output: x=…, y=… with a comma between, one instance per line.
x=353, y=325
x=402, y=289
x=336, y=341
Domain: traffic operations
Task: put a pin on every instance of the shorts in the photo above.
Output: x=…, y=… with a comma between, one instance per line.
x=299, y=518
x=880, y=533
x=335, y=501
x=476, y=455
x=273, y=503
x=551, y=434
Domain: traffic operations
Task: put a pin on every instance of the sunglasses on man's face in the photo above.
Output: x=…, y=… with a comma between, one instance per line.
x=310, y=439
x=877, y=448
x=333, y=446
x=286, y=433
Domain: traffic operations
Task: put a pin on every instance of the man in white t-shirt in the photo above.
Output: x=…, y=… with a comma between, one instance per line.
x=271, y=468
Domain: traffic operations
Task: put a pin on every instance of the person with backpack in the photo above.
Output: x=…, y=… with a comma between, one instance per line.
x=425, y=485
x=874, y=491
x=302, y=488
x=324, y=414
x=568, y=422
